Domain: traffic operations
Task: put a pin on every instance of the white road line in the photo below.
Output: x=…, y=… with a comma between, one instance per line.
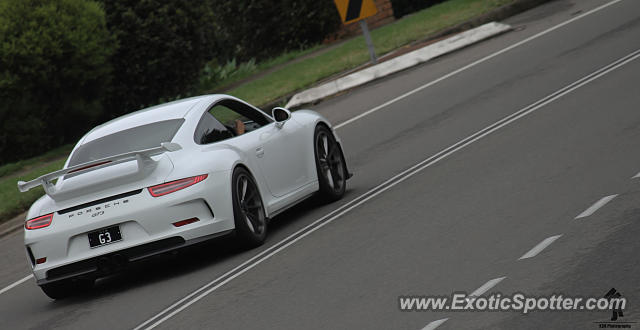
x=477, y=293
x=434, y=324
x=206, y=289
x=597, y=205
x=636, y=176
x=486, y=287
x=538, y=248
x=468, y=66
x=16, y=283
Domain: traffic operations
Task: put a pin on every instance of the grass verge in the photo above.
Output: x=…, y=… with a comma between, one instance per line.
x=22, y=165
x=354, y=53
x=233, y=73
x=13, y=202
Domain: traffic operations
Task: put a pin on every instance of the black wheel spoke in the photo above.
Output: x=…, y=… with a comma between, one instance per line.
x=241, y=188
x=337, y=177
x=334, y=164
x=254, y=206
x=257, y=225
x=325, y=145
x=249, y=223
x=250, y=195
x=332, y=151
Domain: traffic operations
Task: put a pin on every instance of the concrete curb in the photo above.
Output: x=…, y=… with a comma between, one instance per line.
x=399, y=63
x=10, y=226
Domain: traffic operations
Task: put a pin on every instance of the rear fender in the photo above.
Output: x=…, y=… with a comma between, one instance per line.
x=312, y=119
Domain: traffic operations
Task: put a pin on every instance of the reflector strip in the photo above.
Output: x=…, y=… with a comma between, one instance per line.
x=185, y=222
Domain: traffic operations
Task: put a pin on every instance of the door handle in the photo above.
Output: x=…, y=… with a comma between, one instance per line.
x=259, y=152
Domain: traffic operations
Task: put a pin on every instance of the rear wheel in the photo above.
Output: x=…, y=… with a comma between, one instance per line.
x=248, y=210
x=66, y=288
x=330, y=165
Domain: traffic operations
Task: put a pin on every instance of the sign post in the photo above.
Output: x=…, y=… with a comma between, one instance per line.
x=357, y=10
x=367, y=38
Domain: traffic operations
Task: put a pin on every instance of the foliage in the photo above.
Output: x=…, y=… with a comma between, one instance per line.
x=218, y=79
x=162, y=48
x=264, y=29
x=53, y=71
x=404, y=7
x=213, y=74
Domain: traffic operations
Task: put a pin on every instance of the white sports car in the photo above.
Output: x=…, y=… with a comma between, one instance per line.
x=173, y=175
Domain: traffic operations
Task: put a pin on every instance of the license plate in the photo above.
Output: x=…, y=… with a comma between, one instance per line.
x=104, y=236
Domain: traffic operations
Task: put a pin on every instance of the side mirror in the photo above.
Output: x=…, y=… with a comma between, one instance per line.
x=281, y=115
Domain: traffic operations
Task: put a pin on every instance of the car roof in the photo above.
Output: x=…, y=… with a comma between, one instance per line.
x=166, y=111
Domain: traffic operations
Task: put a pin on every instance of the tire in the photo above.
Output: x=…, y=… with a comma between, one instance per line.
x=330, y=165
x=248, y=209
x=67, y=288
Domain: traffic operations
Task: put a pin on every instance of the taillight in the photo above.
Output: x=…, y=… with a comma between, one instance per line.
x=169, y=187
x=39, y=222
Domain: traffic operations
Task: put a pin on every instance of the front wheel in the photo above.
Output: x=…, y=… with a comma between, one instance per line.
x=248, y=210
x=330, y=165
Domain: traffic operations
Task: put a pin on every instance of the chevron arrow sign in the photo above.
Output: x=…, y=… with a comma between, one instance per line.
x=355, y=10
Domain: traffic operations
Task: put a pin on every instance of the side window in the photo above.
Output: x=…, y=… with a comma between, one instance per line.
x=229, y=118
x=210, y=130
x=238, y=117
x=226, y=119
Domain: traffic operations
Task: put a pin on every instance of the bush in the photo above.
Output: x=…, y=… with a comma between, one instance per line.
x=404, y=7
x=214, y=75
x=264, y=29
x=53, y=71
x=162, y=48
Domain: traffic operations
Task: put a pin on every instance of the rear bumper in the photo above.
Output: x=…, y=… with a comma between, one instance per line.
x=146, y=224
x=114, y=262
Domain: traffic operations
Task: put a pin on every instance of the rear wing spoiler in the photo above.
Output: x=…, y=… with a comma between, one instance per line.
x=143, y=157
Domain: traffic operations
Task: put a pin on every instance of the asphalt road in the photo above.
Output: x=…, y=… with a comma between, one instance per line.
x=461, y=219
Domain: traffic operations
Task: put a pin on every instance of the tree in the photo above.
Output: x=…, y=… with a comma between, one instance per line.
x=262, y=29
x=53, y=72
x=162, y=47
x=405, y=7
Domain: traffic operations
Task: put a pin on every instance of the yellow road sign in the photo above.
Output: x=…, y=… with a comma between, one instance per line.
x=355, y=10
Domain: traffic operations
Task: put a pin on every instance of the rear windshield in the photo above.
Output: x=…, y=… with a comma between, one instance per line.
x=132, y=139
